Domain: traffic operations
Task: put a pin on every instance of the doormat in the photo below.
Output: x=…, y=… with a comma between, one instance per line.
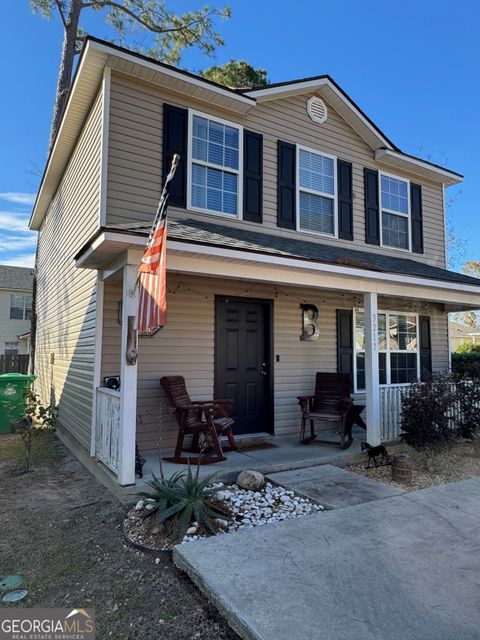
x=251, y=445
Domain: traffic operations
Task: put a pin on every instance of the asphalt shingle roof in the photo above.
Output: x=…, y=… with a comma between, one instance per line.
x=20, y=278
x=217, y=235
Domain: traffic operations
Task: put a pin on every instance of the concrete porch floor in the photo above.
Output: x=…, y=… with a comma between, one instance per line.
x=287, y=454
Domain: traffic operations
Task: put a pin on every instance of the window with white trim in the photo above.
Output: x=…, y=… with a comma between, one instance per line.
x=316, y=197
x=215, y=161
x=398, y=353
x=395, y=212
x=20, y=307
x=11, y=348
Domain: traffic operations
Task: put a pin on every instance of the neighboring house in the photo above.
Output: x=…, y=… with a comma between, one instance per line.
x=461, y=334
x=15, y=309
x=300, y=238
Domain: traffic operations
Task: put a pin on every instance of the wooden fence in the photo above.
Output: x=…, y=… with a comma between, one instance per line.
x=14, y=364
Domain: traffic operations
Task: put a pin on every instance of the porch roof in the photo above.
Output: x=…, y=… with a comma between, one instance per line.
x=216, y=235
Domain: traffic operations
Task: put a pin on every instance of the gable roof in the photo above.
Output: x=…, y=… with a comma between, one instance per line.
x=97, y=55
x=16, y=278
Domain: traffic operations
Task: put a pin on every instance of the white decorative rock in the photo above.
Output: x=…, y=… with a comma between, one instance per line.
x=140, y=504
x=191, y=531
x=150, y=506
x=251, y=480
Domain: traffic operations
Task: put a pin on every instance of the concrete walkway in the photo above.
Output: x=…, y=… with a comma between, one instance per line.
x=405, y=567
x=334, y=487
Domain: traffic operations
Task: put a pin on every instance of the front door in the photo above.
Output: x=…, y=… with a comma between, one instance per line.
x=242, y=362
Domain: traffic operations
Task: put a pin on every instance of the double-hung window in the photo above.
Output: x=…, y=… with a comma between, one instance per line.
x=11, y=348
x=398, y=354
x=316, y=197
x=215, y=161
x=395, y=212
x=20, y=307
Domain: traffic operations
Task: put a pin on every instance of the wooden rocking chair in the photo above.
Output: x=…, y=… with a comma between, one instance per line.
x=196, y=418
x=331, y=402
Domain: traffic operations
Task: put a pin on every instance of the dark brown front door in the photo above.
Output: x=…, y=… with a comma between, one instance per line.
x=242, y=361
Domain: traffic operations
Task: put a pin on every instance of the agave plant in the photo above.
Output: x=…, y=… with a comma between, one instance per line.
x=159, y=498
x=191, y=499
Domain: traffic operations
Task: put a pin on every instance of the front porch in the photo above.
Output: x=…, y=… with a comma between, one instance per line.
x=402, y=321
x=186, y=347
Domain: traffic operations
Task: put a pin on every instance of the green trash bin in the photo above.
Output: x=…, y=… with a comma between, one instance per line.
x=12, y=394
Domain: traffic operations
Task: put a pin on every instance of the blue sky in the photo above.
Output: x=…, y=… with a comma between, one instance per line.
x=413, y=67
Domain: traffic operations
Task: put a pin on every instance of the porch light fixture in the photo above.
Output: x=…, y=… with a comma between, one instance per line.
x=143, y=334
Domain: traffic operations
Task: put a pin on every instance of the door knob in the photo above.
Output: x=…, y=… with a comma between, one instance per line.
x=262, y=369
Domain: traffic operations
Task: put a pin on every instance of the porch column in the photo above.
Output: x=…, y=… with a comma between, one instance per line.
x=372, y=381
x=128, y=380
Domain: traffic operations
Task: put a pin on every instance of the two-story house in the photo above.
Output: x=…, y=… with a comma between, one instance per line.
x=15, y=309
x=300, y=239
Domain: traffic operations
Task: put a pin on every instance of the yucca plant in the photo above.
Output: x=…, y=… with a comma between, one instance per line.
x=191, y=499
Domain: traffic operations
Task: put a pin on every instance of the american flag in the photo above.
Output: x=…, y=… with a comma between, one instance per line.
x=152, y=274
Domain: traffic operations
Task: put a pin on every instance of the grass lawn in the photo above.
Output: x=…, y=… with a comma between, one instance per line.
x=61, y=531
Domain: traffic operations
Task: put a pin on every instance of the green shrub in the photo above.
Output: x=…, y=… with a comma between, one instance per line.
x=425, y=410
x=467, y=364
x=468, y=347
x=440, y=410
x=467, y=409
x=34, y=419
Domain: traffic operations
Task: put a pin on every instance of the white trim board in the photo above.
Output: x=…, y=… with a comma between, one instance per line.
x=361, y=279
x=107, y=75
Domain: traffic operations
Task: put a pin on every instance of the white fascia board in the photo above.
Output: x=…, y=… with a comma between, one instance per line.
x=272, y=93
x=446, y=176
x=283, y=262
x=333, y=269
x=297, y=87
x=159, y=68
x=33, y=223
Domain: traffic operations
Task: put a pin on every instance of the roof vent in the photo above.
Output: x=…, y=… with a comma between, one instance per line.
x=317, y=110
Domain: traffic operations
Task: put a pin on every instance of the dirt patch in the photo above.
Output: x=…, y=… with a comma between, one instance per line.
x=457, y=462
x=62, y=531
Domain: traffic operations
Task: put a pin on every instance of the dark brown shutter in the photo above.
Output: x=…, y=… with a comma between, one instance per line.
x=425, y=343
x=416, y=216
x=175, y=136
x=345, y=342
x=286, y=171
x=372, y=214
x=252, y=176
x=345, y=203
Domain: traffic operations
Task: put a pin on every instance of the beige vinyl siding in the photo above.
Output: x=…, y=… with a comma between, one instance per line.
x=134, y=163
x=66, y=303
x=11, y=329
x=185, y=346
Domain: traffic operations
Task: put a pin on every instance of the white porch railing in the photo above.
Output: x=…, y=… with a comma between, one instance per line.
x=107, y=427
x=390, y=409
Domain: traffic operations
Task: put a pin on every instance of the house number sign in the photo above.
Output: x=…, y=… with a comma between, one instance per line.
x=374, y=332
x=310, y=329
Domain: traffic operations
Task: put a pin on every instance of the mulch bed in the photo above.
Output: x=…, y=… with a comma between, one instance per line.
x=458, y=461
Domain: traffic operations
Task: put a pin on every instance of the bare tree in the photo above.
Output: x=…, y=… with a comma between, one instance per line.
x=170, y=34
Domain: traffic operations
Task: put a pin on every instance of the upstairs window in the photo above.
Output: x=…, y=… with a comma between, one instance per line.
x=316, y=198
x=20, y=307
x=398, y=353
x=215, y=162
x=395, y=210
